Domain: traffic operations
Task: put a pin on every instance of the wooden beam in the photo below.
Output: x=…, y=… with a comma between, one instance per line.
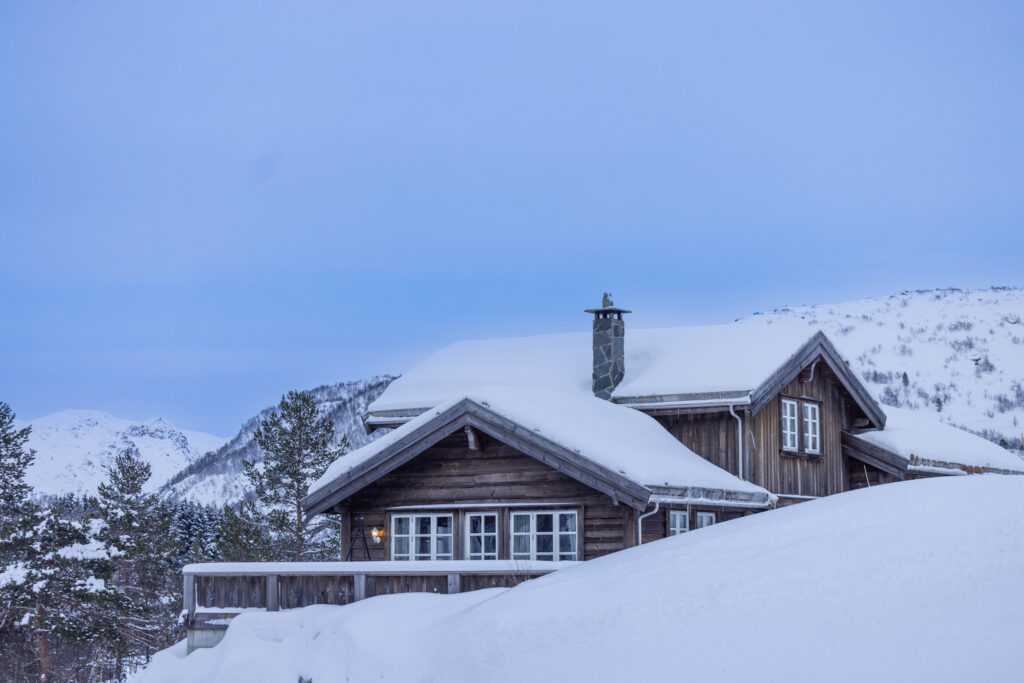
x=473, y=439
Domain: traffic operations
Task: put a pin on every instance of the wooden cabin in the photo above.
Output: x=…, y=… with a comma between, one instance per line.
x=508, y=459
x=497, y=450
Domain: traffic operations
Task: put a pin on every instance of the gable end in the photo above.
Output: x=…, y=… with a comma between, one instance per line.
x=818, y=345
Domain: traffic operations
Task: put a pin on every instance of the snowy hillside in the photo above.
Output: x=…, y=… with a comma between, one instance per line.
x=217, y=477
x=958, y=353
x=888, y=583
x=74, y=447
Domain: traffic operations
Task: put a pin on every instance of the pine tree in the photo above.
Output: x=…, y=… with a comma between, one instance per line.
x=243, y=535
x=137, y=535
x=17, y=513
x=297, y=446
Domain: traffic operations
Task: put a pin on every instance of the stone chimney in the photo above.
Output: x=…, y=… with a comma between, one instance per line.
x=609, y=347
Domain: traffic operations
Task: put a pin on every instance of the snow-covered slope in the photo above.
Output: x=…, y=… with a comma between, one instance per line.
x=890, y=583
x=957, y=353
x=74, y=448
x=217, y=477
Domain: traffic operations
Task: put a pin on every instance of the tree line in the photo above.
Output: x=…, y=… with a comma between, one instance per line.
x=90, y=586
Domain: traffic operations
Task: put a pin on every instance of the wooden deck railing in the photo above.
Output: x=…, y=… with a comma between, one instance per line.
x=222, y=589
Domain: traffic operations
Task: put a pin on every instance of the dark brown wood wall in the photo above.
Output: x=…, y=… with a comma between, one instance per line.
x=449, y=473
x=657, y=525
x=803, y=474
x=713, y=436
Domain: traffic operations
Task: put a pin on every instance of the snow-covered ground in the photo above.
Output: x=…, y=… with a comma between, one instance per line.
x=74, y=448
x=911, y=581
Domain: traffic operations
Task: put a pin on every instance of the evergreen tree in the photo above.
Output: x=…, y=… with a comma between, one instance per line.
x=137, y=536
x=297, y=446
x=17, y=513
x=243, y=535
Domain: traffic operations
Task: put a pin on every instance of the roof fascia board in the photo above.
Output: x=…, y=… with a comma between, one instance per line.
x=558, y=457
x=468, y=412
x=874, y=455
x=817, y=345
x=408, y=447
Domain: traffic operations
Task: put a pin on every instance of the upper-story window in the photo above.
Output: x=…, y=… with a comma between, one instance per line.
x=812, y=428
x=790, y=435
x=795, y=439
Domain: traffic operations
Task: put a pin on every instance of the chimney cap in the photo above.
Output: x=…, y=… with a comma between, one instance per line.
x=607, y=306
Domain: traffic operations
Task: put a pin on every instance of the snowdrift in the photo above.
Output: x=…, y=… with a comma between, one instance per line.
x=918, y=580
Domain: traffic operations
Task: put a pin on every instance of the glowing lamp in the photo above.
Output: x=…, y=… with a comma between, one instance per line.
x=377, y=534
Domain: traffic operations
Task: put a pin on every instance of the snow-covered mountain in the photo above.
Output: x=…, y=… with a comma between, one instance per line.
x=74, y=448
x=217, y=477
x=957, y=353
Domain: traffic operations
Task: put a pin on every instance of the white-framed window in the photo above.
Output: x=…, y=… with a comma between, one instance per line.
x=422, y=537
x=544, y=535
x=482, y=536
x=812, y=428
x=678, y=522
x=705, y=519
x=790, y=437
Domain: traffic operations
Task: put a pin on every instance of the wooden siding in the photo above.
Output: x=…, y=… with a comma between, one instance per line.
x=860, y=474
x=449, y=473
x=657, y=525
x=713, y=435
x=802, y=474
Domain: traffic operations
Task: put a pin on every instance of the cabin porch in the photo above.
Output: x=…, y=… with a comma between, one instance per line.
x=214, y=593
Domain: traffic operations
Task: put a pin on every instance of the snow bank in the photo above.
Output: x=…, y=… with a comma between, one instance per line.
x=621, y=439
x=736, y=357
x=890, y=583
x=926, y=442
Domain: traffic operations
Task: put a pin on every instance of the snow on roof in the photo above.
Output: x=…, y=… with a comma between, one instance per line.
x=618, y=438
x=923, y=440
x=681, y=360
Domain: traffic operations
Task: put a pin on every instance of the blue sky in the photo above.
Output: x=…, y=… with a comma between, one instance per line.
x=204, y=205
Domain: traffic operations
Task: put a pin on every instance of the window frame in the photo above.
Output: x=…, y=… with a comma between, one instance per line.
x=805, y=405
x=556, y=535
x=703, y=515
x=411, y=555
x=795, y=448
x=468, y=536
x=673, y=528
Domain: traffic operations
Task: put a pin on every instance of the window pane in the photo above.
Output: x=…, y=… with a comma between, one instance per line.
x=475, y=546
x=491, y=524
x=474, y=524
x=401, y=546
x=545, y=523
x=423, y=525
x=401, y=525
x=567, y=521
x=567, y=543
x=490, y=544
x=521, y=523
x=545, y=557
x=521, y=544
x=423, y=545
x=545, y=544
x=444, y=547
x=444, y=525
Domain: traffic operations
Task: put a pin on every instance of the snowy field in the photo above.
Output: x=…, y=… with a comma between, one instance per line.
x=912, y=581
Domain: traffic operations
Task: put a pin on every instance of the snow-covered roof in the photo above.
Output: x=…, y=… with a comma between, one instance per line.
x=925, y=442
x=618, y=439
x=737, y=357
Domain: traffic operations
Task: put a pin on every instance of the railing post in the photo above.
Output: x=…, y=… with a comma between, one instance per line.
x=359, y=582
x=273, y=594
x=454, y=583
x=189, y=593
